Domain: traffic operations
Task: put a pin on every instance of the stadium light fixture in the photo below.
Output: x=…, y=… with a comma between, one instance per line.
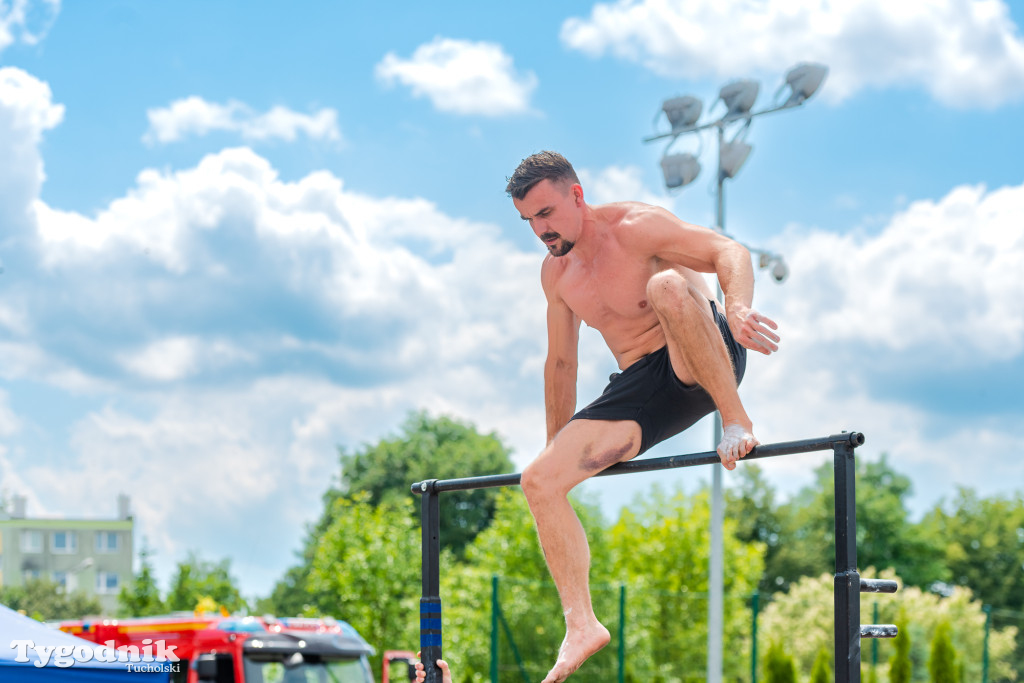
x=739, y=97
x=732, y=156
x=804, y=80
x=679, y=169
x=682, y=112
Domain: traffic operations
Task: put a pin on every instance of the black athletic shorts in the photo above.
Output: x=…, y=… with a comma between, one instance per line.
x=649, y=393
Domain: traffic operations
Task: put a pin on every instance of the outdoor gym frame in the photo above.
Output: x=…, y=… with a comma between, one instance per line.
x=848, y=584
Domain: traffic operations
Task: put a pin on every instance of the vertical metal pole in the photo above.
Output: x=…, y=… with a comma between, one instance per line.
x=847, y=580
x=622, y=633
x=874, y=641
x=495, y=606
x=984, y=655
x=430, y=602
x=715, y=564
x=755, y=602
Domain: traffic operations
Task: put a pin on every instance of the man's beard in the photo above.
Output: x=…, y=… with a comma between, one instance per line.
x=558, y=248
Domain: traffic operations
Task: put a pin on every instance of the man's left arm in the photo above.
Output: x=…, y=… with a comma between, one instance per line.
x=736, y=276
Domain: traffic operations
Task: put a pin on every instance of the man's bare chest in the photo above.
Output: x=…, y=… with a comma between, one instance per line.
x=608, y=292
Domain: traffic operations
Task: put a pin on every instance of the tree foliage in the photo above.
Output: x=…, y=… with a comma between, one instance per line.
x=822, y=670
x=196, y=579
x=808, y=610
x=431, y=448
x=800, y=534
x=141, y=598
x=778, y=664
x=984, y=547
x=360, y=563
x=426, y=448
x=45, y=600
x=901, y=665
x=660, y=545
x=942, y=664
x=366, y=571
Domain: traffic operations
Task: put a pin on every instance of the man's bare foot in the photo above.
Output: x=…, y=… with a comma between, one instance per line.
x=577, y=648
x=737, y=441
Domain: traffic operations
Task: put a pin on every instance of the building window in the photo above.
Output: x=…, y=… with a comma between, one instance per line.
x=31, y=541
x=107, y=582
x=61, y=579
x=64, y=542
x=108, y=541
x=30, y=574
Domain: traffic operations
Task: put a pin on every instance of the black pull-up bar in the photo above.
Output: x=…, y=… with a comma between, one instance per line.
x=848, y=584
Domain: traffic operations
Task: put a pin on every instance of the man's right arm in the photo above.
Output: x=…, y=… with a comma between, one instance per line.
x=562, y=359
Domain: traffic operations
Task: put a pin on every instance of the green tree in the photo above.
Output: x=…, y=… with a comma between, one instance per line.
x=142, y=597
x=984, y=545
x=196, y=579
x=660, y=545
x=942, y=664
x=751, y=505
x=426, y=448
x=778, y=665
x=509, y=549
x=45, y=600
x=431, y=448
x=366, y=571
x=985, y=550
x=885, y=536
x=822, y=670
x=807, y=609
x=901, y=666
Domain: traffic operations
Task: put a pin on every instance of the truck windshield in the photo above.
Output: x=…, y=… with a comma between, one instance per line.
x=310, y=670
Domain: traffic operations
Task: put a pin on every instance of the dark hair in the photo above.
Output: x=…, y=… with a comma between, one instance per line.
x=537, y=167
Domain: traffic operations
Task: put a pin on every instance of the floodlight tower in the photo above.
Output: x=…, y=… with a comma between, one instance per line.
x=681, y=169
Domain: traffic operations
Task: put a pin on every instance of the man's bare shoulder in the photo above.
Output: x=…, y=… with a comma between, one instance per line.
x=629, y=215
x=551, y=270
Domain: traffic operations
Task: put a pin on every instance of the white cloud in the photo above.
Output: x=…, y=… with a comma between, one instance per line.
x=942, y=280
x=26, y=112
x=176, y=358
x=195, y=116
x=618, y=184
x=9, y=422
x=964, y=53
x=462, y=77
x=257, y=324
x=933, y=296
x=26, y=21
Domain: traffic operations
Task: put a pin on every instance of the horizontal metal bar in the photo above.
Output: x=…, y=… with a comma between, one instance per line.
x=878, y=586
x=725, y=120
x=651, y=464
x=879, y=631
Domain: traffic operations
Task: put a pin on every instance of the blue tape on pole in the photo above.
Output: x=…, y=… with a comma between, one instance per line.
x=430, y=624
x=430, y=607
x=430, y=640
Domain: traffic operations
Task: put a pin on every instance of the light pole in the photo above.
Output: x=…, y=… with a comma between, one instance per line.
x=679, y=170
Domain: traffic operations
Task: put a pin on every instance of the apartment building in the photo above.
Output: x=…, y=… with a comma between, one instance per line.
x=90, y=555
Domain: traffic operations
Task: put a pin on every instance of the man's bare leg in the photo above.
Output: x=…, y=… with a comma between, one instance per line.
x=581, y=449
x=699, y=356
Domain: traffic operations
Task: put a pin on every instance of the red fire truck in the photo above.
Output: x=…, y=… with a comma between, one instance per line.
x=217, y=649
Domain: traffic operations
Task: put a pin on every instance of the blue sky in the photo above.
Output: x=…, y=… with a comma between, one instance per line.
x=234, y=236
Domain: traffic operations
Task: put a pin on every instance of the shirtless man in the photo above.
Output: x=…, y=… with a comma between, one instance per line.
x=630, y=271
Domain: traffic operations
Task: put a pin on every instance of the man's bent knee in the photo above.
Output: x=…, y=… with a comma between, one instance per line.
x=668, y=290
x=538, y=480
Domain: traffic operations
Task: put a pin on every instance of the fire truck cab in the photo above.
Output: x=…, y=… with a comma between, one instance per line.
x=239, y=649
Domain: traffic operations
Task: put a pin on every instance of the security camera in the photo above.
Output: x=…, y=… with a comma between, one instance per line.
x=779, y=270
